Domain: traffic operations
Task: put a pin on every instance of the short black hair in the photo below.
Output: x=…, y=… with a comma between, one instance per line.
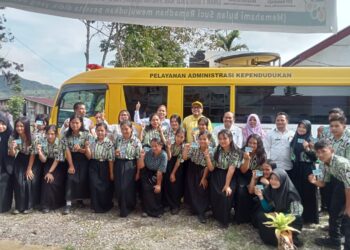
x=341, y=119
x=282, y=113
x=77, y=105
x=322, y=143
x=336, y=111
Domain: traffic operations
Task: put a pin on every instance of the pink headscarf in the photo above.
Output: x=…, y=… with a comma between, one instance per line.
x=248, y=130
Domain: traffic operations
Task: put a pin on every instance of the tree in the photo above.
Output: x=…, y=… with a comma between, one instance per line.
x=15, y=106
x=138, y=46
x=6, y=66
x=226, y=42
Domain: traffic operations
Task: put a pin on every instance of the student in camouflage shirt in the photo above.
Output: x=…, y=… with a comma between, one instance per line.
x=254, y=157
x=153, y=130
x=175, y=124
x=340, y=142
x=339, y=168
x=20, y=147
x=226, y=160
x=203, y=124
x=51, y=153
x=200, y=161
x=75, y=141
x=174, y=175
x=100, y=152
x=127, y=151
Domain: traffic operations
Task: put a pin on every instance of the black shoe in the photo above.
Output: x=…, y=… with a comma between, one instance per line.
x=202, y=219
x=328, y=242
x=80, y=204
x=45, y=210
x=174, y=211
x=67, y=210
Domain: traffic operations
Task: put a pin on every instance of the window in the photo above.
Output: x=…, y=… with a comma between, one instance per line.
x=94, y=100
x=215, y=99
x=150, y=98
x=311, y=103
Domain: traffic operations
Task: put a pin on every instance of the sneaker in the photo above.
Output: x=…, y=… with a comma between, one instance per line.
x=28, y=211
x=328, y=242
x=67, y=210
x=144, y=215
x=174, y=211
x=45, y=210
x=15, y=212
x=202, y=219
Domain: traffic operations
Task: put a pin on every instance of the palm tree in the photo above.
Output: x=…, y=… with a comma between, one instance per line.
x=283, y=231
x=225, y=42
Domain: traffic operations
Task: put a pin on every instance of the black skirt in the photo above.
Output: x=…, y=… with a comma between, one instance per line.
x=306, y=190
x=6, y=188
x=151, y=202
x=23, y=195
x=220, y=203
x=77, y=185
x=173, y=191
x=198, y=198
x=101, y=186
x=244, y=203
x=53, y=194
x=35, y=183
x=125, y=185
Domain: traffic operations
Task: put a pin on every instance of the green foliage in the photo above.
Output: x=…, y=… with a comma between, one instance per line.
x=146, y=46
x=15, y=106
x=226, y=42
x=7, y=67
x=281, y=222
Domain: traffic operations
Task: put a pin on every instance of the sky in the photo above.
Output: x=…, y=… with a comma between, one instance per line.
x=52, y=48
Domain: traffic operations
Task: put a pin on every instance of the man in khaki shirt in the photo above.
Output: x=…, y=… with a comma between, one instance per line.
x=191, y=122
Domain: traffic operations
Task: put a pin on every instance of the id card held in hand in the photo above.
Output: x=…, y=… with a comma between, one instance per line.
x=317, y=172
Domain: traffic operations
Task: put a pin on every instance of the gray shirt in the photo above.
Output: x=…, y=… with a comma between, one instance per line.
x=277, y=147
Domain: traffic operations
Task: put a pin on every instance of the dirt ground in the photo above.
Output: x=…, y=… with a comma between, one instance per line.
x=86, y=230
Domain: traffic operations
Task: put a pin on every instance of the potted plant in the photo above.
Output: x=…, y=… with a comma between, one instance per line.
x=284, y=233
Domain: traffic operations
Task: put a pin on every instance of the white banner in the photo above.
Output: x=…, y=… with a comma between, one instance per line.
x=258, y=15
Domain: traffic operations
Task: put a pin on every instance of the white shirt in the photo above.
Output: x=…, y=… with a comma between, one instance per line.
x=87, y=124
x=145, y=121
x=277, y=147
x=236, y=134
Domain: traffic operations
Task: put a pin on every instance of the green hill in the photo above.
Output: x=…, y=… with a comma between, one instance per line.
x=29, y=88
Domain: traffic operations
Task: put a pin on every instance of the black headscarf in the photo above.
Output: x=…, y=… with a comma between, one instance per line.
x=297, y=147
x=4, y=137
x=281, y=197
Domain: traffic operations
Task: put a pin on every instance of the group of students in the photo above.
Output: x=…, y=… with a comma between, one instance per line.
x=167, y=162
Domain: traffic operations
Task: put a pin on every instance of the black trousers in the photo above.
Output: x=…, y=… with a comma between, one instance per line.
x=336, y=209
x=346, y=221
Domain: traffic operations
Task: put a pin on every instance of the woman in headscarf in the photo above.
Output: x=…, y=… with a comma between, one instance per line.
x=6, y=167
x=282, y=197
x=303, y=160
x=253, y=126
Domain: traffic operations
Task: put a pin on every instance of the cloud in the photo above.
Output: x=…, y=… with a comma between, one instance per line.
x=61, y=42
